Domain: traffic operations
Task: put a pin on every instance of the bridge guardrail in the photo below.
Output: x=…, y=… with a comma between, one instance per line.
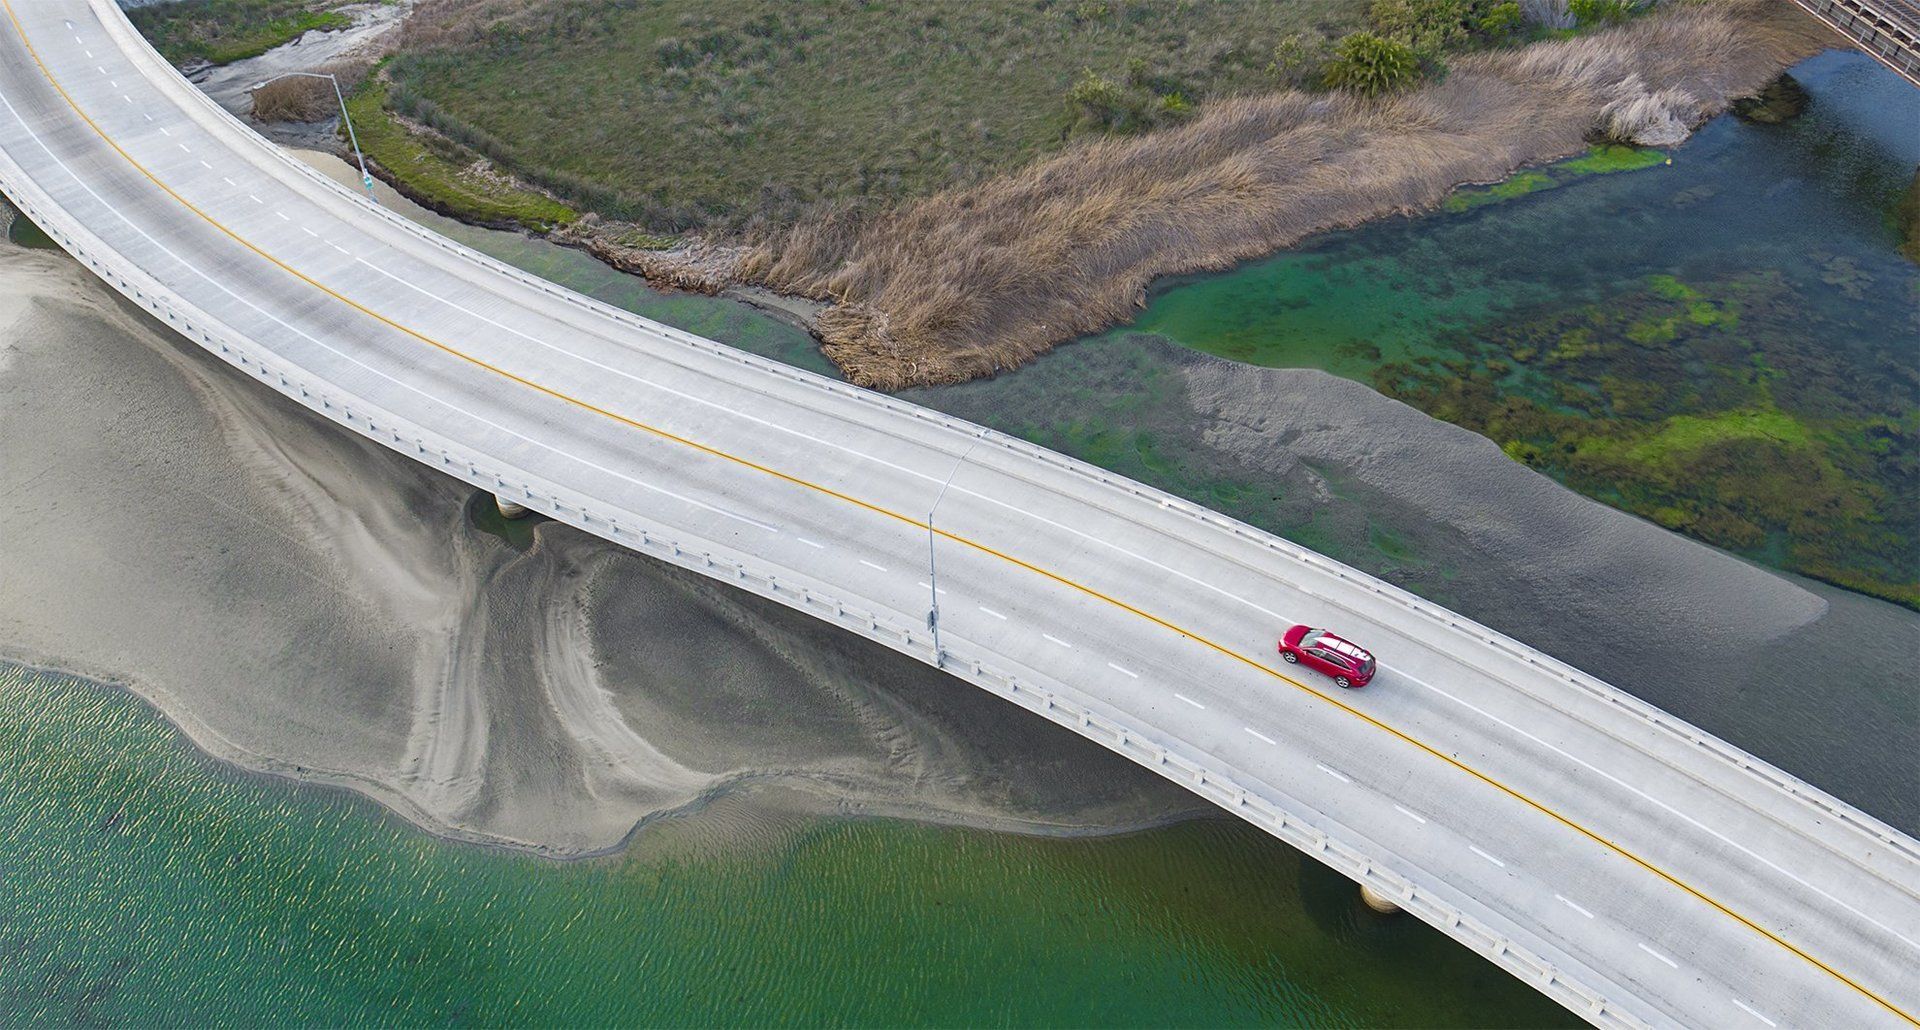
x=1591, y=686
x=1258, y=803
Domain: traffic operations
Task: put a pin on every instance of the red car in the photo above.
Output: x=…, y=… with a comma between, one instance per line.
x=1347, y=662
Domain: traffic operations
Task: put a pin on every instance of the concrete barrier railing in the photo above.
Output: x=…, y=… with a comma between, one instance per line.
x=1272, y=810
x=218, y=119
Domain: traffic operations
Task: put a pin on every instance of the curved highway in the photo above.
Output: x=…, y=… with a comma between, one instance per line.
x=1628, y=865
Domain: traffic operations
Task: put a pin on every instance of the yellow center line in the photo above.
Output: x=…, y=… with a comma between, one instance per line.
x=922, y=525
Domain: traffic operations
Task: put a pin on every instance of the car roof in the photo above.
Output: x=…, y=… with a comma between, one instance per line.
x=1342, y=645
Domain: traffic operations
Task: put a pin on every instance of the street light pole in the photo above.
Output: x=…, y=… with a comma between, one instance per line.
x=366, y=177
x=933, y=577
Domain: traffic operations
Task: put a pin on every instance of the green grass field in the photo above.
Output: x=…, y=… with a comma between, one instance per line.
x=229, y=30
x=682, y=113
x=442, y=177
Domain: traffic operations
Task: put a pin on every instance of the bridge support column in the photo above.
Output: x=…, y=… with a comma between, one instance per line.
x=510, y=509
x=1377, y=901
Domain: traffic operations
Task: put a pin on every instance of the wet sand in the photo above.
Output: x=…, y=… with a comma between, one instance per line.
x=305, y=602
x=302, y=601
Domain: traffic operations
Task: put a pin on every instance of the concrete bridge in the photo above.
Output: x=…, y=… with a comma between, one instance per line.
x=1625, y=863
x=1886, y=30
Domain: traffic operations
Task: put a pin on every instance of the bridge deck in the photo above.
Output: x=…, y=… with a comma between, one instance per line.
x=1886, y=30
x=1627, y=864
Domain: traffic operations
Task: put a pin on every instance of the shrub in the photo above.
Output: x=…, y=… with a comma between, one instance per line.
x=1501, y=20
x=1600, y=12
x=1428, y=26
x=1371, y=65
x=1097, y=98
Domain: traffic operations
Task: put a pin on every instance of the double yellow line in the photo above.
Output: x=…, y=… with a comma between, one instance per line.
x=923, y=525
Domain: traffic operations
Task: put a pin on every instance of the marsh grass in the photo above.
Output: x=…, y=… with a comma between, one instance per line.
x=976, y=280
x=686, y=115
x=302, y=99
x=222, y=31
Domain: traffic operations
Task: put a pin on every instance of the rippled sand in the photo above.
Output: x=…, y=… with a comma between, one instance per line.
x=306, y=602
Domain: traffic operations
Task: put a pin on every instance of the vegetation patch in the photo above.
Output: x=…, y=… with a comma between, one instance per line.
x=445, y=176
x=684, y=114
x=1600, y=160
x=1712, y=408
x=222, y=31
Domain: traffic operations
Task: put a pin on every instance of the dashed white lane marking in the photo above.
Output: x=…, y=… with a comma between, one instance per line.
x=991, y=612
x=1690, y=820
x=184, y=148
x=1056, y=640
x=871, y=565
x=1643, y=947
x=103, y=70
x=810, y=543
x=929, y=586
x=985, y=498
x=1335, y=773
x=1751, y=1012
x=339, y=248
x=147, y=116
x=309, y=232
x=283, y=216
x=228, y=181
x=1411, y=814
x=255, y=199
x=1486, y=856
x=115, y=83
x=89, y=53
x=163, y=129
x=1124, y=669
x=1257, y=735
x=1562, y=899
x=126, y=98
x=205, y=165
x=322, y=344
x=1191, y=701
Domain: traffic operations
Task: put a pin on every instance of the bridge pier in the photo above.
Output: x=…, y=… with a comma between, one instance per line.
x=1377, y=901
x=510, y=509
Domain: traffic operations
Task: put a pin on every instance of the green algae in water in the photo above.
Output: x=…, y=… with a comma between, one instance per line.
x=145, y=885
x=1585, y=322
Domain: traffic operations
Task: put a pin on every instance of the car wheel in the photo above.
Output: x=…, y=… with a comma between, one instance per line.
x=1342, y=681
x=1289, y=657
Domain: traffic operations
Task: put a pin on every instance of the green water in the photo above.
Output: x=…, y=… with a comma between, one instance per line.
x=1723, y=344
x=23, y=232
x=142, y=884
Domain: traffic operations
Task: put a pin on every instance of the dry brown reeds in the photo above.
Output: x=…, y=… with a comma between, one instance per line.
x=973, y=281
x=301, y=99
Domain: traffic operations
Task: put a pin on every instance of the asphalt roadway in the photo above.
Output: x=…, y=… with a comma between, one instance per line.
x=1628, y=865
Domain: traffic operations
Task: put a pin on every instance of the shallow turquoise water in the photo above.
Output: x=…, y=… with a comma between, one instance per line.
x=143, y=884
